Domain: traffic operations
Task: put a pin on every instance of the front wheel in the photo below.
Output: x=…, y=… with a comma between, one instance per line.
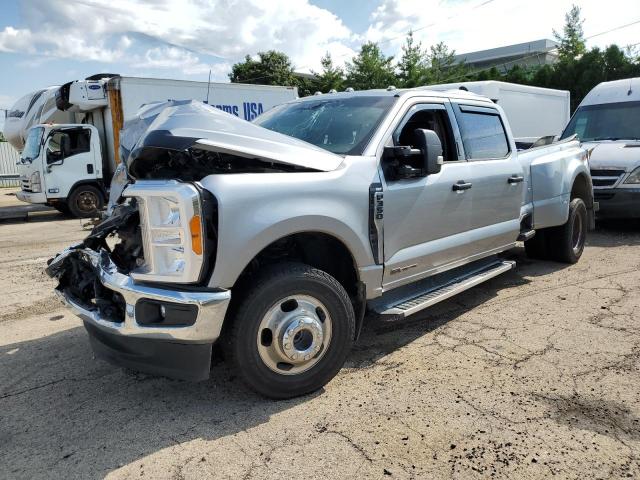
x=292, y=331
x=85, y=201
x=567, y=241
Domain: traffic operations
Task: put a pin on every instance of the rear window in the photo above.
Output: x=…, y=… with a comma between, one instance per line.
x=483, y=134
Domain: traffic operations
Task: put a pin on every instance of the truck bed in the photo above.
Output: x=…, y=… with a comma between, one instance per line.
x=546, y=186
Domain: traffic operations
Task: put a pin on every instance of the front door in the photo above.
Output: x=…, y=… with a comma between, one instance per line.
x=425, y=219
x=68, y=159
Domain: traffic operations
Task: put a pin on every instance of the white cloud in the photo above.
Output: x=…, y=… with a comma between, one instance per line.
x=178, y=34
x=105, y=30
x=175, y=58
x=468, y=26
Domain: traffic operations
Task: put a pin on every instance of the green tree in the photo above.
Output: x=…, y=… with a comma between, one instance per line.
x=443, y=66
x=370, y=69
x=572, y=43
x=331, y=76
x=412, y=67
x=271, y=68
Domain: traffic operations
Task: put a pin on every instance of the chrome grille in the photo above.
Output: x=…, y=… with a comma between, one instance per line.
x=606, y=178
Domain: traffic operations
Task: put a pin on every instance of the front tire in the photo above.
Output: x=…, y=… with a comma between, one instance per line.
x=568, y=240
x=85, y=201
x=292, y=331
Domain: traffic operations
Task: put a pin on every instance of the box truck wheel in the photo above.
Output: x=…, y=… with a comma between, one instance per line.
x=85, y=201
x=291, y=332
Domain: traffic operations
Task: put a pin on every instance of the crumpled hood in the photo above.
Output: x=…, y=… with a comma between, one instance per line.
x=180, y=125
x=623, y=155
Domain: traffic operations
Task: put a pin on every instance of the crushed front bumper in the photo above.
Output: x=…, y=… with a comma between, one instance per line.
x=175, y=350
x=618, y=202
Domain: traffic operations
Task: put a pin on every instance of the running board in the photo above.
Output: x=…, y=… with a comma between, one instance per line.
x=454, y=286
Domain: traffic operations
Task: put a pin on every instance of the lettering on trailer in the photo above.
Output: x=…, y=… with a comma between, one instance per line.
x=250, y=110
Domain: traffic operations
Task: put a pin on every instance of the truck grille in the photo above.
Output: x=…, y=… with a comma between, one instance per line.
x=605, y=178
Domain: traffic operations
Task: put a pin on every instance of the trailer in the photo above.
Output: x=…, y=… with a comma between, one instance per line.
x=532, y=112
x=69, y=165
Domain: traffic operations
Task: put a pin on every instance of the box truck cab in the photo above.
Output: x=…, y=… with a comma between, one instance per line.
x=608, y=121
x=61, y=166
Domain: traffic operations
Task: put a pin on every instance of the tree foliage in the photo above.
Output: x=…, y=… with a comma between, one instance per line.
x=331, y=77
x=412, y=66
x=370, y=69
x=572, y=43
x=270, y=68
x=577, y=69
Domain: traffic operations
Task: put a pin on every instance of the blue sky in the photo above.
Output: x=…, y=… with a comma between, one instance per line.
x=49, y=42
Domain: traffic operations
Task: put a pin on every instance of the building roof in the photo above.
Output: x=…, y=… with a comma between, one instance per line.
x=509, y=51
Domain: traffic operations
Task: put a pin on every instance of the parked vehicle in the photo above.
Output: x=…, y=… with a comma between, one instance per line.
x=608, y=122
x=32, y=109
x=274, y=237
x=69, y=166
x=533, y=112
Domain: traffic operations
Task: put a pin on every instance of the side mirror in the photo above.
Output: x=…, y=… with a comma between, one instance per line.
x=406, y=162
x=431, y=148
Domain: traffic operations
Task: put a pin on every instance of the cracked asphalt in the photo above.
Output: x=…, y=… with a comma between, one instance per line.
x=533, y=374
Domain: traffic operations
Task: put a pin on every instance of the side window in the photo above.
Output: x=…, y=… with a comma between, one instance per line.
x=79, y=141
x=429, y=118
x=483, y=134
x=66, y=143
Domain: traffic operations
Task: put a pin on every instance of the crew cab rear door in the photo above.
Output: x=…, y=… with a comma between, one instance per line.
x=495, y=175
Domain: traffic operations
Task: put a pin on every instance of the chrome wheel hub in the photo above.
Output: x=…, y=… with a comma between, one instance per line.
x=294, y=334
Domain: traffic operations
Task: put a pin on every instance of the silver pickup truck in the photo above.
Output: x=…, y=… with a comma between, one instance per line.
x=274, y=238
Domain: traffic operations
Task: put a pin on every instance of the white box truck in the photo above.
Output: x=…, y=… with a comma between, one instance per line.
x=69, y=165
x=533, y=112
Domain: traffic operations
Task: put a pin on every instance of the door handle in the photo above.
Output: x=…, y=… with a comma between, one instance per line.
x=89, y=168
x=515, y=179
x=461, y=185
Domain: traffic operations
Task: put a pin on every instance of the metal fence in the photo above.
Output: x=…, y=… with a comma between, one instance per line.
x=8, y=171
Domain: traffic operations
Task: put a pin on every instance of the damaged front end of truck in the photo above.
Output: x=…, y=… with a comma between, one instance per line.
x=139, y=281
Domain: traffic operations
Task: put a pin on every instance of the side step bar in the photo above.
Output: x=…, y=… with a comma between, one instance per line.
x=456, y=285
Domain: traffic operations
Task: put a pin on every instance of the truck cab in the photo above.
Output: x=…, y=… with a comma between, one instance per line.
x=61, y=166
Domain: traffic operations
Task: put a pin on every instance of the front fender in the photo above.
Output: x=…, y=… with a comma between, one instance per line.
x=256, y=210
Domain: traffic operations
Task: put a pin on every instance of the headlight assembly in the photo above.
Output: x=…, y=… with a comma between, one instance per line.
x=171, y=222
x=634, y=177
x=35, y=183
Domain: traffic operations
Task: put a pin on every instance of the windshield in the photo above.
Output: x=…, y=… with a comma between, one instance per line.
x=607, y=121
x=32, y=145
x=340, y=125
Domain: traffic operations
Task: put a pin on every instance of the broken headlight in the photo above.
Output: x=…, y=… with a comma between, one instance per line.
x=172, y=231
